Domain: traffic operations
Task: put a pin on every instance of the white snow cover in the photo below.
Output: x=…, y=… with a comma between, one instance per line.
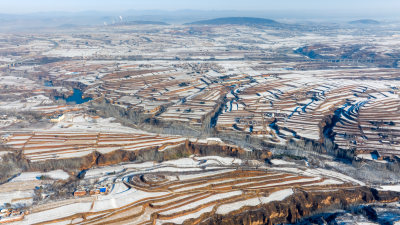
x=226, y=161
x=29, y=176
x=119, y=199
x=8, y=197
x=276, y=196
x=184, y=162
x=215, y=139
x=333, y=174
x=202, y=201
x=391, y=188
x=181, y=219
x=85, y=123
x=205, y=174
x=118, y=188
x=56, y=213
x=289, y=182
x=320, y=172
x=172, y=200
x=326, y=182
x=365, y=156
x=281, y=162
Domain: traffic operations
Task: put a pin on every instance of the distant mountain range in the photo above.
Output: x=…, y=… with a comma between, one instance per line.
x=365, y=22
x=74, y=20
x=141, y=22
x=247, y=21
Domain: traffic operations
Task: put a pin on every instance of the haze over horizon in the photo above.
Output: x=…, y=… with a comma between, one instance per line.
x=361, y=7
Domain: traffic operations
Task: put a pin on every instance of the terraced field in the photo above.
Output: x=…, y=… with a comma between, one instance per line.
x=187, y=191
x=148, y=90
x=371, y=127
x=141, y=123
x=361, y=111
x=40, y=146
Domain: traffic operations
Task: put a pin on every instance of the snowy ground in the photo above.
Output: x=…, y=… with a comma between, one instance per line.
x=30, y=176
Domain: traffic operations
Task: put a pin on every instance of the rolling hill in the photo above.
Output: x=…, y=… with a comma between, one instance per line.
x=246, y=21
x=142, y=22
x=364, y=22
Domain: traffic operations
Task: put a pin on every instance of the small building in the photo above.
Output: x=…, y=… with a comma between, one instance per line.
x=11, y=215
x=5, y=138
x=94, y=192
x=4, y=210
x=57, y=118
x=79, y=193
x=103, y=190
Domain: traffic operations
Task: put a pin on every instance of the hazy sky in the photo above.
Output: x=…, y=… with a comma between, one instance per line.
x=29, y=6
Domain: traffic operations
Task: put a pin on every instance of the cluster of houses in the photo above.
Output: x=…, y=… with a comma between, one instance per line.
x=57, y=118
x=97, y=191
x=11, y=215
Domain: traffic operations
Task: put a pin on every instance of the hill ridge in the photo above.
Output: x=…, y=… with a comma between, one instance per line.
x=235, y=21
